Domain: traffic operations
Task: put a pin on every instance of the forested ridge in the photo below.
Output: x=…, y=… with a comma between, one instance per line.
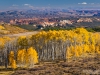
x=62, y=45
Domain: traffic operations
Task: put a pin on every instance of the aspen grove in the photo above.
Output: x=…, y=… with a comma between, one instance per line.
x=25, y=51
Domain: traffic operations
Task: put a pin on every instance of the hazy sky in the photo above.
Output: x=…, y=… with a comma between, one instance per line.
x=31, y=4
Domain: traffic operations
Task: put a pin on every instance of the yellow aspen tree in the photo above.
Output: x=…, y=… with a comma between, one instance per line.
x=86, y=48
x=76, y=51
x=32, y=57
x=92, y=48
x=13, y=65
x=2, y=42
x=68, y=53
x=97, y=49
x=80, y=50
x=22, y=41
x=21, y=58
x=72, y=49
x=12, y=61
x=11, y=57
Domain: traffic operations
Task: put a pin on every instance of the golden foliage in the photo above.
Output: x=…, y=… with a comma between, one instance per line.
x=74, y=43
x=3, y=40
x=27, y=58
x=13, y=65
x=80, y=41
x=21, y=57
x=22, y=41
x=12, y=61
x=11, y=57
x=1, y=27
x=32, y=55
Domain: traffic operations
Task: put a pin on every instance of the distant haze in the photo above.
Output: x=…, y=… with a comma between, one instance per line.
x=35, y=4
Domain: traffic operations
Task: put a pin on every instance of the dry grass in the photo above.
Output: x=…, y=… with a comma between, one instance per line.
x=6, y=72
x=14, y=29
x=79, y=66
x=10, y=29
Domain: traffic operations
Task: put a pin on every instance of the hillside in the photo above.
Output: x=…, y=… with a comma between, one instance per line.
x=10, y=29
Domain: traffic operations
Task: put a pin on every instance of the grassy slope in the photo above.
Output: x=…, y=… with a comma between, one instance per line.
x=10, y=29
x=14, y=29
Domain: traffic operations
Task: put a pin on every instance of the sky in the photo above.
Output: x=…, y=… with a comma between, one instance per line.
x=33, y=4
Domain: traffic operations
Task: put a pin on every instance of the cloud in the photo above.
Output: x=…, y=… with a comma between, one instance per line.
x=84, y=3
x=29, y=5
x=26, y=4
x=14, y=5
